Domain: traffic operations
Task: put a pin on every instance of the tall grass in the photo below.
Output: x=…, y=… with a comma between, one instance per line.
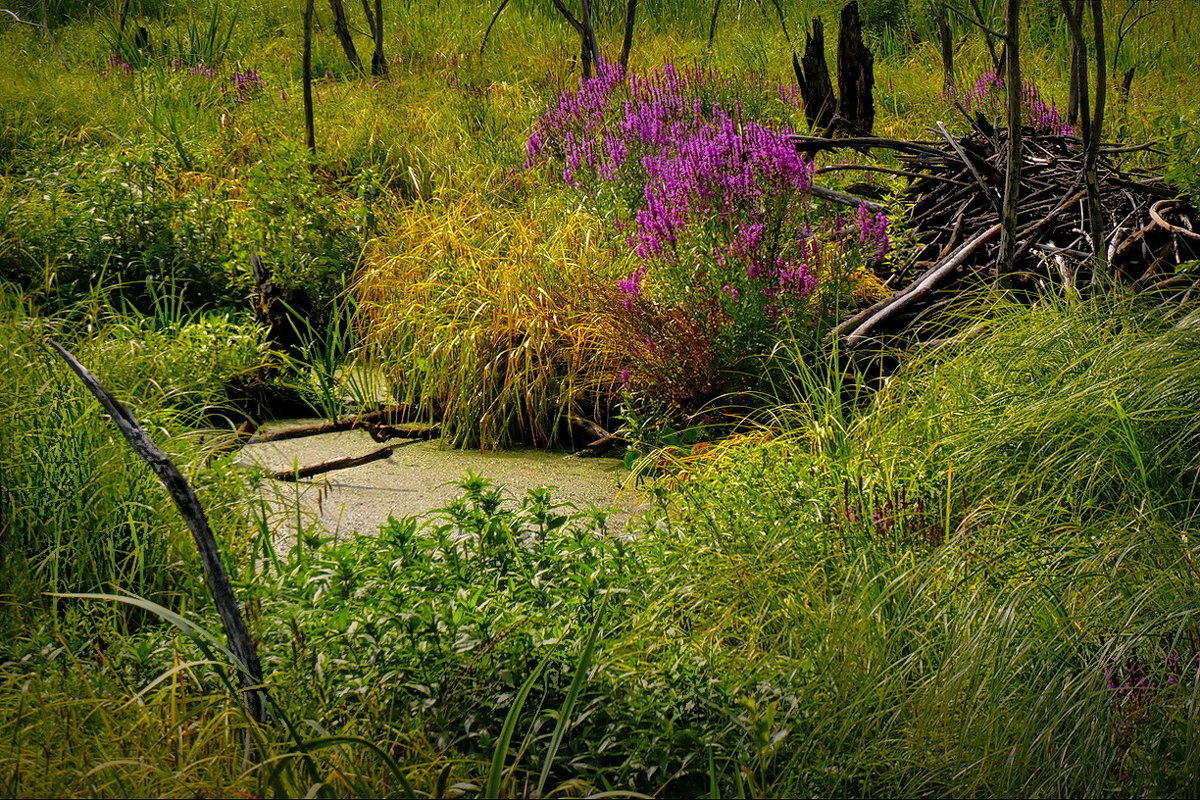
x=81, y=512
x=505, y=321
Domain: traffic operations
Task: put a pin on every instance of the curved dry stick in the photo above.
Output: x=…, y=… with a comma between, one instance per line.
x=45, y=26
x=240, y=643
x=1156, y=215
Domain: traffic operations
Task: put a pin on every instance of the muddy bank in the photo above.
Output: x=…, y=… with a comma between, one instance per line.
x=419, y=478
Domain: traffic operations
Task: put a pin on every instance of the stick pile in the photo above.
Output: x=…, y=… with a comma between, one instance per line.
x=953, y=215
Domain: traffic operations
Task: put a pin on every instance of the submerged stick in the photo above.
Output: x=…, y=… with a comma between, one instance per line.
x=338, y=463
x=240, y=643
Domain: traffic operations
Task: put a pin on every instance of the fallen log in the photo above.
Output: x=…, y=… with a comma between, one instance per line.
x=297, y=473
x=378, y=423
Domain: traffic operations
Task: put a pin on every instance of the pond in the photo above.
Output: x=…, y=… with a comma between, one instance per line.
x=419, y=478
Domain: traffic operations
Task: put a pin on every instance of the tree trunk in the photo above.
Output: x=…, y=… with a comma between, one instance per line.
x=816, y=87
x=341, y=29
x=856, y=74
x=627, y=41
x=1092, y=155
x=310, y=135
x=1012, y=172
x=1080, y=93
x=947, y=42
x=589, y=51
x=375, y=24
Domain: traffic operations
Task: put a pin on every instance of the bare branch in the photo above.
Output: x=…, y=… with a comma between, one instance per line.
x=495, y=16
x=240, y=643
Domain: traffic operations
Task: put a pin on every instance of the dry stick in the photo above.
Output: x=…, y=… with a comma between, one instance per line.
x=887, y=171
x=843, y=198
x=919, y=288
x=806, y=143
x=44, y=25
x=240, y=437
x=338, y=463
x=240, y=643
x=988, y=191
x=347, y=424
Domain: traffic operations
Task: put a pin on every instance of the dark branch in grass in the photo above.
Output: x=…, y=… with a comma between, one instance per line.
x=495, y=16
x=240, y=643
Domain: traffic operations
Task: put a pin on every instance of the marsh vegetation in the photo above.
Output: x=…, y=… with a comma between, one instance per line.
x=954, y=564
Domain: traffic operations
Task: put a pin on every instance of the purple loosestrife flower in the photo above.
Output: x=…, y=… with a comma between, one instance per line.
x=715, y=203
x=631, y=286
x=987, y=97
x=873, y=232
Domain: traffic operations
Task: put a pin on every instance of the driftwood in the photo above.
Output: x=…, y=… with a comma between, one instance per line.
x=338, y=463
x=240, y=643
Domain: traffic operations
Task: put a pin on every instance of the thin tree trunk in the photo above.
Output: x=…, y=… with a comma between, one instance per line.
x=124, y=15
x=1078, y=82
x=589, y=52
x=627, y=41
x=1092, y=155
x=310, y=134
x=987, y=35
x=1012, y=172
x=341, y=29
x=712, y=25
x=379, y=64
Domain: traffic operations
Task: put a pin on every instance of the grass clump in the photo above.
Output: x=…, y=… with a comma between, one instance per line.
x=505, y=321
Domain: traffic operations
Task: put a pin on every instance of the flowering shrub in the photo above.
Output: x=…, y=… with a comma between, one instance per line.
x=987, y=97
x=714, y=204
